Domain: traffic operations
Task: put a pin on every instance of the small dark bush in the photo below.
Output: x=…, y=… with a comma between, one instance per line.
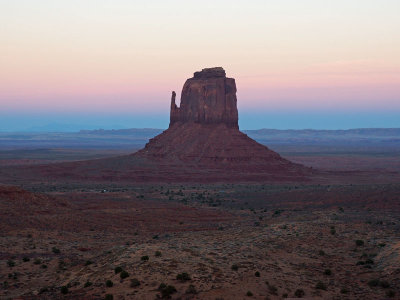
x=272, y=289
x=43, y=290
x=55, y=250
x=321, y=252
x=118, y=270
x=109, y=283
x=299, y=293
x=373, y=282
x=235, y=267
x=145, y=258
x=135, y=282
x=167, y=291
x=333, y=231
x=257, y=274
x=191, y=289
x=87, y=284
x=109, y=297
x=369, y=261
x=328, y=272
x=88, y=262
x=344, y=291
x=157, y=254
x=43, y=266
x=249, y=294
x=37, y=261
x=183, y=276
x=64, y=290
x=384, y=284
x=320, y=286
x=360, y=263
x=390, y=294
x=11, y=263
x=359, y=243
x=25, y=259
x=124, y=274
x=162, y=286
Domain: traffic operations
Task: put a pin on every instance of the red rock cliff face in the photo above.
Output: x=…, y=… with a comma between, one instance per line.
x=209, y=97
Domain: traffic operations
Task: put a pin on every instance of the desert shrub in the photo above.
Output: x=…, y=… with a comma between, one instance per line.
x=235, y=267
x=44, y=266
x=43, y=290
x=87, y=284
x=359, y=243
x=272, y=289
x=25, y=259
x=55, y=250
x=167, y=290
x=249, y=294
x=88, y=262
x=11, y=263
x=162, y=286
x=369, y=261
x=135, y=282
x=64, y=290
x=384, y=284
x=344, y=291
x=381, y=245
x=328, y=272
x=118, y=270
x=390, y=294
x=145, y=258
x=373, y=282
x=109, y=297
x=360, y=263
x=183, y=276
x=157, y=254
x=321, y=252
x=257, y=274
x=320, y=286
x=299, y=293
x=191, y=289
x=285, y=295
x=124, y=274
x=109, y=283
x=333, y=230
x=37, y=261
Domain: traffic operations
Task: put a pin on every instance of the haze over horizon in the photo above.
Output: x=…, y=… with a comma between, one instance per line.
x=101, y=64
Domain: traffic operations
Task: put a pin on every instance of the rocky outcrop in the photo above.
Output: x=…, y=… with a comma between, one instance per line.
x=209, y=97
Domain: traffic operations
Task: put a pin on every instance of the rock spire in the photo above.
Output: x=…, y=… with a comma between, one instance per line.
x=209, y=97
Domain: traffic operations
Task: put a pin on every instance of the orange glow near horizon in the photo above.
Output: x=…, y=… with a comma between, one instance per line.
x=99, y=55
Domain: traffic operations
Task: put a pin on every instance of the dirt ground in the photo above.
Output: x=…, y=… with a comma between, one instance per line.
x=321, y=239
x=233, y=241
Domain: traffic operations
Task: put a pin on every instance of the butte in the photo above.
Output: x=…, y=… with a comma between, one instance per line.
x=204, y=134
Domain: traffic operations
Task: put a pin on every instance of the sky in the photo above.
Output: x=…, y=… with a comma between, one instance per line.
x=113, y=64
